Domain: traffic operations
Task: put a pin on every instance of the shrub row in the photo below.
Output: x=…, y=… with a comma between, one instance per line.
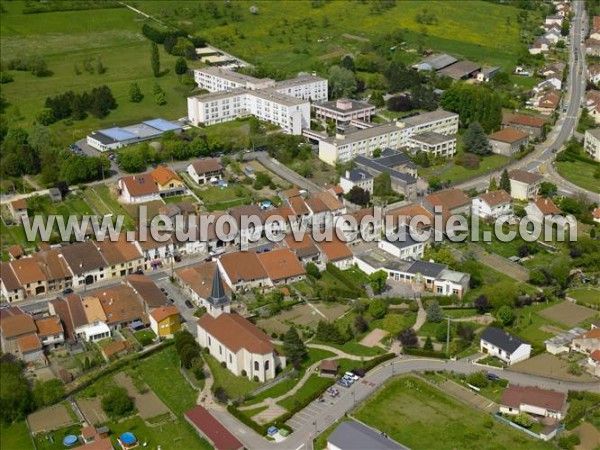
x=426, y=353
x=372, y=363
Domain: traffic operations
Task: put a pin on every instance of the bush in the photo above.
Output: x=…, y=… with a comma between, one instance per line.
x=568, y=441
x=422, y=352
x=221, y=394
x=477, y=379
x=117, y=403
x=524, y=420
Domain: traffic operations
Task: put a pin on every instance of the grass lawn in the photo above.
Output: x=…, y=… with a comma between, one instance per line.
x=161, y=373
x=586, y=295
x=294, y=36
x=314, y=384
x=220, y=198
x=421, y=417
x=455, y=173
x=65, y=39
x=235, y=386
x=533, y=327
x=42, y=443
x=394, y=323
x=15, y=437
x=168, y=435
x=354, y=348
x=179, y=199
x=103, y=196
x=144, y=336
x=580, y=173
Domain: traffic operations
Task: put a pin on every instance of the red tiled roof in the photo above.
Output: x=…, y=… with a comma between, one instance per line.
x=281, y=264
x=526, y=120
x=16, y=251
x=450, y=199
x=595, y=355
x=19, y=204
x=335, y=250
x=17, y=325
x=242, y=266
x=210, y=427
x=28, y=271
x=495, y=198
x=508, y=135
x=329, y=199
x=199, y=278
x=206, y=166
x=163, y=175
x=49, y=326
x=235, y=332
x=514, y=396
x=8, y=277
x=298, y=205
x=139, y=185
x=160, y=314
x=29, y=343
x=546, y=206
x=145, y=288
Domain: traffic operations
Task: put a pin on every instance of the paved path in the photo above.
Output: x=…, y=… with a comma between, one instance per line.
x=421, y=315
x=323, y=418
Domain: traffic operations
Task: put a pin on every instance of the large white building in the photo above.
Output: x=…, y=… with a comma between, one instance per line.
x=232, y=95
x=343, y=148
x=592, y=143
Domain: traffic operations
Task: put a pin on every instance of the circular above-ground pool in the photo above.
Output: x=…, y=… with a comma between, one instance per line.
x=70, y=440
x=127, y=439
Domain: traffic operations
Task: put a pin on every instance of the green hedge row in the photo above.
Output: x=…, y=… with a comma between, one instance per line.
x=426, y=353
x=372, y=363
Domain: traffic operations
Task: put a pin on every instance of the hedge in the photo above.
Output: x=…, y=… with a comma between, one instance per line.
x=371, y=363
x=426, y=353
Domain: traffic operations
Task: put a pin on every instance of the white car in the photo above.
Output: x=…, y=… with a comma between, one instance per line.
x=351, y=376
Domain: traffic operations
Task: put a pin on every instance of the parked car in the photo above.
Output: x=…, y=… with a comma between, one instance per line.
x=189, y=304
x=343, y=382
x=351, y=376
x=492, y=376
x=67, y=291
x=359, y=372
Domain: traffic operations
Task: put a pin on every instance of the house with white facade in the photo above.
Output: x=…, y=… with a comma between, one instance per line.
x=524, y=185
x=206, y=171
x=500, y=344
x=243, y=270
x=139, y=188
x=533, y=400
x=402, y=245
x=356, y=177
x=241, y=345
x=591, y=143
x=492, y=205
x=508, y=141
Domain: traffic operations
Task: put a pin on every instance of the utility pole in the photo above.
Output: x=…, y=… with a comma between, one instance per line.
x=448, y=337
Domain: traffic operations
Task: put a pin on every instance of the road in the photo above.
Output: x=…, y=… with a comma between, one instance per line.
x=542, y=158
x=323, y=415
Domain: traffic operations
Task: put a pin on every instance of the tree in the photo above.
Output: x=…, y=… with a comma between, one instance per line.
x=188, y=354
x=16, y=400
x=476, y=141
x=377, y=153
x=382, y=185
x=182, y=338
x=440, y=254
x=313, y=270
x=408, y=338
x=181, y=66
x=474, y=103
x=46, y=393
x=434, y=312
x=45, y=116
x=400, y=103
x=377, y=280
x=428, y=344
x=342, y=82
x=377, y=99
x=493, y=185
x=347, y=63
x=117, y=403
x=328, y=332
x=548, y=190
x=568, y=441
x=482, y=304
x=155, y=60
x=523, y=419
x=564, y=29
x=100, y=69
x=360, y=324
x=505, y=315
x=160, y=99
x=377, y=308
x=221, y=394
x=358, y=196
x=478, y=379
x=294, y=347
x=135, y=94
x=505, y=181
x=466, y=332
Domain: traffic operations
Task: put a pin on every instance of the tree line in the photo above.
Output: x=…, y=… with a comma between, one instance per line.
x=98, y=102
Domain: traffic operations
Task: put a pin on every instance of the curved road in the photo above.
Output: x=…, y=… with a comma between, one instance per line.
x=302, y=437
x=542, y=157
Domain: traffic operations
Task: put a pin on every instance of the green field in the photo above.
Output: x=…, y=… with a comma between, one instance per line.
x=65, y=39
x=15, y=437
x=421, y=417
x=161, y=373
x=586, y=295
x=294, y=36
x=580, y=173
x=235, y=386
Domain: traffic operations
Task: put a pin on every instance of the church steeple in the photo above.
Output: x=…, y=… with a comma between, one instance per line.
x=218, y=297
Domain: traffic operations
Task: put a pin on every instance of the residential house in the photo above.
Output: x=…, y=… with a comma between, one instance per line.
x=122, y=257
x=168, y=182
x=94, y=326
x=592, y=143
x=358, y=178
x=539, y=46
x=50, y=331
x=448, y=202
x=335, y=251
x=72, y=314
x=121, y=305
x=353, y=435
x=203, y=283
x=403, y=245
x=241, y=345
x=139, y=188
x=10, y=287
x=18, y=210
x=205, y=171
x=243, y=270
x=304, y=248
x=398, y=165
x=147, y=291
x=592, y=47
x=507, y=348
x=156, y=253
x=487, y=74
x=596, y=214
x=508, y=141
x=165, y=321
x=320, y=215
x=587, y=343
x=30, y=276
x=55, y=268
x=553, y=35
x=547, y=101
x=15, y=252
x=553, y=21
x=561, y=343
x=593, y=72
x=493, y=205
x=85, y=262
x=533, y=125
x=282, y=266
x=533, y=400
x=13, y=327
x=524, y=185
x=592, y=104
x=30, y=348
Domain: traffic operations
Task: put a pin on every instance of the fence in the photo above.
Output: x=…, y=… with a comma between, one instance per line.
x=545, y=437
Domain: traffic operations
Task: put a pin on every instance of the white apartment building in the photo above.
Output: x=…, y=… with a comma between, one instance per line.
x=343, y=148
x=356, y=177
x=215, y=79
x=306, y=87
x=434, y=144
x=592, y=143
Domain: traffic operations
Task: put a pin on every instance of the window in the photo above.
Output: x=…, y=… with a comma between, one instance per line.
x=267, y=365
x=230, y=359
x=220, y=350
x=256, y=365
x=209, y=341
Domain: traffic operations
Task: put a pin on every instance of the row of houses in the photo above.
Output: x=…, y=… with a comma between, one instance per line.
x=137, y=302
x=580, y=341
